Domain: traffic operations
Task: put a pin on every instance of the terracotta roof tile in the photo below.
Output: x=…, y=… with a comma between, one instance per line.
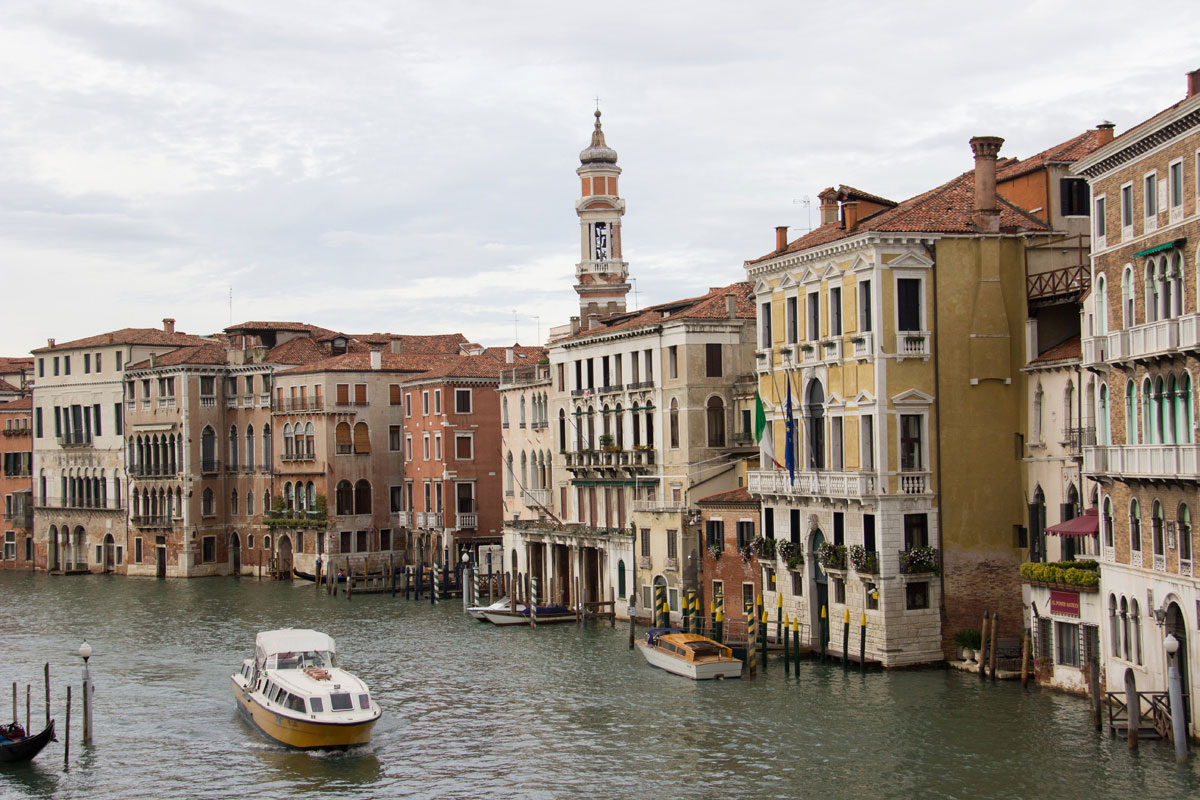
x=850, y=193
x=8, y=364
x=271, y=325
x=706, y=306
x=204, y=354
x=301, y=350
x=5, y=386
x=20, y=404
x=147, y=336
x=1063, y=153
x=738, y=495
x=1070, y=349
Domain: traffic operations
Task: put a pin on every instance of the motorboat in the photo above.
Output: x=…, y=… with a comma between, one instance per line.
x=502, y=604
x=17, y=745
x=689, y=654
x=546, y=615
x=294, y=692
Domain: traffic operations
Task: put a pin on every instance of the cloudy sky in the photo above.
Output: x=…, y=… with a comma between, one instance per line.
x=409, y=166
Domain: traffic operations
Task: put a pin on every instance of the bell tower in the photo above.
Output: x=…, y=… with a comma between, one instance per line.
x=601, y=275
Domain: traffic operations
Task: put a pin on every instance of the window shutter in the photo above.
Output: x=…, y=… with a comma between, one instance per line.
x=343, y=394
x=362, y=438
x=394, y=394
x=343, y=437
x=360, y=394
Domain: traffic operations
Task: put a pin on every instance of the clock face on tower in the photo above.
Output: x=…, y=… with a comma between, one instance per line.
x=601, y=243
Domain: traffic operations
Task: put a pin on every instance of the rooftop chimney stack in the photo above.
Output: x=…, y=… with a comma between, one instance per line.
x=1193, y=83
x=593, y=321
x=376, y=359
x=829, y=206
x=508, y=355
x=781, y=237
x=168, y=325
x=1105, y=133
x=50, y=343
x=987, y=216
x=731, y=306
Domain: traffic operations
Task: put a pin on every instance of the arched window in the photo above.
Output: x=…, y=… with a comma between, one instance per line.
x=207, y=506
x=1183, y=410
x=233, y=446
x=1108, y=522
x=362, y=438
x=504, y=411
x=362, y=497
x=233, y=503
x=522, y=412
x=1151, y=288
x=715, y=412
x=619, y=425
x=208, y=449
x=1131, y=407
x=1136, y=618
x=266, y=501
x=1101, y=306
x=1149, y=433
x=310, y=489
x=673, y=424
x=524, y=471
x=605, y=420
x=1157, y=519
x=249, y=447
x=1036, y=422
x=345, y=498
x=508, y=474
x=1184, y=532
x=287, y=440
x=1127, y=297
x=549, y=470
x=1160, y=416
x=289, y=501
x=343, y=438
x=1126, y=649
x=1114, y=626
x=591, y=427
x=266, y=445
x=249, y=502
x=1103, y=420
x=1135, y=526
x=1170, y=410
x=621, y=579
x=1175, y=278
x=814, y=423
x=562, y=431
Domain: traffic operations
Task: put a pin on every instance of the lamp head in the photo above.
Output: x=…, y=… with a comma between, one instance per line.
x=1171, y=643
x=85, y=651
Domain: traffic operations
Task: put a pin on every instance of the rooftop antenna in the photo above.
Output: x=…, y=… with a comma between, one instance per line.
x=539, y=327
x=231, y=305
x=807, y=208
x=516, y=338
x=635, y=297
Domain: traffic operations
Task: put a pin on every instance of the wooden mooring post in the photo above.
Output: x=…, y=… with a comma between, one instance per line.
x=982, y=655
x=787, y=656
x=751, y=642
x=67, y=733
x=47, y=694
x=992, y=647
x=1025, y=661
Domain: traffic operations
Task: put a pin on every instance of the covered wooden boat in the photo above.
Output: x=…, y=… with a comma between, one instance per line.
x=546, y=615
x=295, y=693
x=503, y=604
x=308, y=576
x=689, y=654
x=15, y=745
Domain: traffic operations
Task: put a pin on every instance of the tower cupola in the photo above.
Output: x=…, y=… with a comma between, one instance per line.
x=601, y=274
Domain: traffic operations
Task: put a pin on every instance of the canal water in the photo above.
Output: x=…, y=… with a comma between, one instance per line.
x=471, y=710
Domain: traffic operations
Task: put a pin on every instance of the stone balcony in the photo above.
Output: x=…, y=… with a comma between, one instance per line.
x=637, y=460
x=913, y=344
x=466, y=521
x=536, y=497
x=1149, y=461
x=862, y=345
x=400, y=518
x=841, y=485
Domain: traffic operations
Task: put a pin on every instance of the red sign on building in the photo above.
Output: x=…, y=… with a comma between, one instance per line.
x=1064, y=604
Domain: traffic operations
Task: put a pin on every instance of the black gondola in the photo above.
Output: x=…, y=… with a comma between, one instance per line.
x=308, y=576
x=23, y=748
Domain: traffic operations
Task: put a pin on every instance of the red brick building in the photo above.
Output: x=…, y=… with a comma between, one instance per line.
x=16, y=483
x=730, y=521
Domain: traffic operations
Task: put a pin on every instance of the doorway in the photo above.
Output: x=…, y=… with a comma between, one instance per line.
x=235, y=553
x=160, y=570
x=1177, y=626
x=108, y=559
x=285, y=558
x=820, y=633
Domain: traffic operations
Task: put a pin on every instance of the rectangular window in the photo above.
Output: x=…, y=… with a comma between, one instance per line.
x=908, y=304
x=813, y=316
x=360, y=394
x=96, y=420
x=464, y=446
x=56, y=366
x=425, y=447
x=712, y=360
x=408, y=404
x=209, y=549
x=835, y=444
x=437, y=401
x=1175, y=185
x=1073, y=197
x=345, y=541
x=119, y=359
x=361, y=544
x=118, y=418
x=1098, y=218
x=425, y=404
x=408, y=448
x=385, y=539
x=1127, y=206
x=437, y=447
x=462, y=401
x=672, y=544
x=764, y=321
x=394, y=394
x=911, y=459
x=835, y=311
x=396, y=498
x=1150, y=192
x=1045, y=639
x=137, y=550
x=41, y=367
x=869, y=532
x=66, y=365
x=645, y=542
x=839, y=591
x=714, y=534
x=745, y=532
x=342, y=396
x=792, y=320
x=87, y=363
x=916, y=596
x=868, y=442
x=649, y=366
x=916, y=531
x=38, y=420
x=394, y=438
x=672, y=362
x=562, y=378
x=1066, y=635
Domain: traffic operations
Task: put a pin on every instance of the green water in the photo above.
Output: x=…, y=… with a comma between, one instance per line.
x=471, y=710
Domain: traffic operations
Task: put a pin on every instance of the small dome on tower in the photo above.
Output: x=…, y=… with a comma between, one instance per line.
x=598, y=152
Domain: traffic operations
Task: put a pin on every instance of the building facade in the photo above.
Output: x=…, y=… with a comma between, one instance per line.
x=1141, y=348
x=16, y=483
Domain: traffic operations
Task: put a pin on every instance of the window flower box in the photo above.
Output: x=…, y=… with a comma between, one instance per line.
x=832, y=556
x=918, y=560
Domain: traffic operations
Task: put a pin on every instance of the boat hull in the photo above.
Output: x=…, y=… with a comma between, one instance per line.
x=25, y=749
x=697, y=671
x=298, y=733
x=505, y=618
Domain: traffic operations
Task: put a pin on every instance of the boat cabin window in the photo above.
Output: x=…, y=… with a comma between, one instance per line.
x=295, y=703
x=341, y=701
x=322, y=659
x=316, y=705
x=364, y=702
x=705, y=649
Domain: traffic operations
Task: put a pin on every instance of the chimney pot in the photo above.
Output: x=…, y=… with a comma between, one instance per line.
x=986, y=148
x=376, y=359
x=781, y=237
x=168, y=325
x=731, y=306
x=593, y=321
x=50, y=343
x=508, y=355
x=850, y=214
x=1193, y=83
x=151, y=360
x=1105, y=133
x=829, y=206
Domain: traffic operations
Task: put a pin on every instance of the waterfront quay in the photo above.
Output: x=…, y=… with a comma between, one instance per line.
x=471, y=710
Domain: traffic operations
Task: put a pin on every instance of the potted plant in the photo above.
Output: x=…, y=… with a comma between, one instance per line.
x=968, y=642
x=832, y=556
x=764, y=547
x=606, y=443
x=918, y=559
x=746, y=551
x=715, y=550
x=807, y=347
x=862, y=559
x=791, y=553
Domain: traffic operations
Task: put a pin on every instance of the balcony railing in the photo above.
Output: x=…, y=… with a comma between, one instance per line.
x=152, y=521
x=1153, y=339
x=536, y=497
x=1161, y=461
x=813, y=484
x=401, y=518
x=305, y=456
x=831, y=350
x=208, y=401
x=19, y=518
x=919, y=560
x=210, y=466
x=914, y=482
x=864, y=344
x=1079, y=438
x=264, y=399
x=636, y=459
x=467, y=521
x=912, y=344
x=166, y=402
x=75, y=439
x=302, y=404
x=662, y=505
x=429, y=519
x=612, y=388
x=1065, y=282
x=809, y=353
x=231, y=402
x=633, y=387
x=152, y=471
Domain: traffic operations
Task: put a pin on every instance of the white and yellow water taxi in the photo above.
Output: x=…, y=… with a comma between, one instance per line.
x=295, y=693
x=689, y=654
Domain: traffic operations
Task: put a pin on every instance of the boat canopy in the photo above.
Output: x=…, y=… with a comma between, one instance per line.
x=291, y=640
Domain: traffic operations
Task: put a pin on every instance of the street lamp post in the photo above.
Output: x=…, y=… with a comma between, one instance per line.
x=1175, y=692
x=85, y=652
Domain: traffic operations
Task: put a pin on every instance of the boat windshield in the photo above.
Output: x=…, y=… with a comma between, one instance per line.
x=705, y=648
x=321, y=659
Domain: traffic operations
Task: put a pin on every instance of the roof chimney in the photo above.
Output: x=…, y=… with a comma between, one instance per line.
x=985, y=148
x=376, y=359
x=168, y=325
x=731, y=305
x=829, y=206
x=1193, y=83
x=397, y=347
x=1104, y=133
x=508, y=355
x=151, y=359
x=593, y=321
x=781, y=237
x=850, y=213
x=50, y=343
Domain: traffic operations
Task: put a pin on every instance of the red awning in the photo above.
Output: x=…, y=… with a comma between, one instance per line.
x=1087, y=525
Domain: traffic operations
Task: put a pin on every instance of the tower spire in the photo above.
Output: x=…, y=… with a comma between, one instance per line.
x=602, y=275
